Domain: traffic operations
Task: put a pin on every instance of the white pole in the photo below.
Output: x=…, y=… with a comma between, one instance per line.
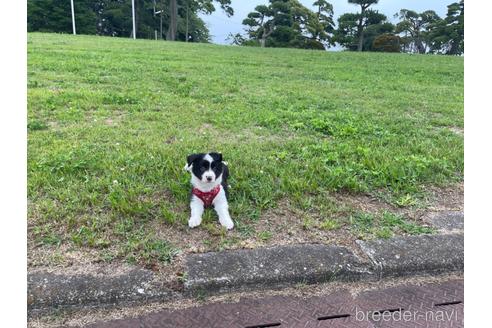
x=73, y=18
x=133, y=17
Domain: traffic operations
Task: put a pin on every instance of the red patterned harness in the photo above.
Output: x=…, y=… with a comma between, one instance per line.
x=207, y=197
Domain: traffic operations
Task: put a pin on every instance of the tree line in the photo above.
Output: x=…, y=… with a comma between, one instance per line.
x=287, y=23
x=279, y=23
x=175, y=20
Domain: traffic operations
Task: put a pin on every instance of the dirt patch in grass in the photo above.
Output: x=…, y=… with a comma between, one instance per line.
x=110, y=122
x=281, y=225
x=259, y=133
x=112, y=119
x=449, y=198
x=363, y=202
x=171, y=140
x=164, y=194
x=256, y=133
x=179, y=235
x=457, y=130
x=287, y=225
x=62, y=256
x=53, y=125
x=204, y=128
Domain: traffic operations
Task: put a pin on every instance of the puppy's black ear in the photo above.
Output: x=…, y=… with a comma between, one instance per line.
x=191, y=158
x=216, y=156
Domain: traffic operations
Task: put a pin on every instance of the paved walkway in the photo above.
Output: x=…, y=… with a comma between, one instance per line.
x=431, y=305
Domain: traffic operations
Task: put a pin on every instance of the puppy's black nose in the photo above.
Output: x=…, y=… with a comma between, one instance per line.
x=209, y=179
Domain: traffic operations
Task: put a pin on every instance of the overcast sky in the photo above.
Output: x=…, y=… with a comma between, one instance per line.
x=220, y=25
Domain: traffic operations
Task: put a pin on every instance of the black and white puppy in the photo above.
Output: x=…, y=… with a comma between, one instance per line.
x=209, y=179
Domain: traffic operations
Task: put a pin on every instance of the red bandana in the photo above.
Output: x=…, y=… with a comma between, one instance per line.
x=206, y=197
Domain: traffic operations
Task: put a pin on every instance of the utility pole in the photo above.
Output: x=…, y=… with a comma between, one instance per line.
x=160, y=14
x=155, y=13
x=73, y=18
x=162, y=11
x=187, y=19
x=155, y=30
x=133, y=18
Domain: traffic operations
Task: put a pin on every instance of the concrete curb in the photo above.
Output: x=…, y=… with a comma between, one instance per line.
x=242, y=270
x=426, y=254
x=273, y=267
x=50, y=290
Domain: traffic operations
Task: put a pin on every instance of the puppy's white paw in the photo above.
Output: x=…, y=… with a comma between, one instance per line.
x=194, y=222
x=228, y=224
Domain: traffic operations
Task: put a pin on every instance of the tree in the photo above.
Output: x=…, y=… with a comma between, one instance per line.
x=260, y=23
x=189, y=6
x=191, y=28
x=417, y=28
x=113, y=17
x=447, y=35
x=173, y=20
x=203, y=6
x=362, y=18
x=236, y=39
x=321, y=25
x=288, y=23
x=183, y=22
x=346, y=33
x=290, y=18
x=373, y=23
x=279, y=22
x=455, y=28
x=282, y=23
x=374, y=31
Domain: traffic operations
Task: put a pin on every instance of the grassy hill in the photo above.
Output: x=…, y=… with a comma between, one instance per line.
x=111, y=121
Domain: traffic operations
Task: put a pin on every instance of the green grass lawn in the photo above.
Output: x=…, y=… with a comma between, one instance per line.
x=110, y=122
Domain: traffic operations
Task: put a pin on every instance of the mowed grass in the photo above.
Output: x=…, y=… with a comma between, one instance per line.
x=111, y=121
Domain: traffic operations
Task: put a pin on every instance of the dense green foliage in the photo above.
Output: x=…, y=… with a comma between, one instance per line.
x=447, y=35
x=287, y=23
x=426, y=32
x=55, y=16
x=416, y=28
x=113, y=17
x=373, y=25
x=111, y=121
x=365, y=19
